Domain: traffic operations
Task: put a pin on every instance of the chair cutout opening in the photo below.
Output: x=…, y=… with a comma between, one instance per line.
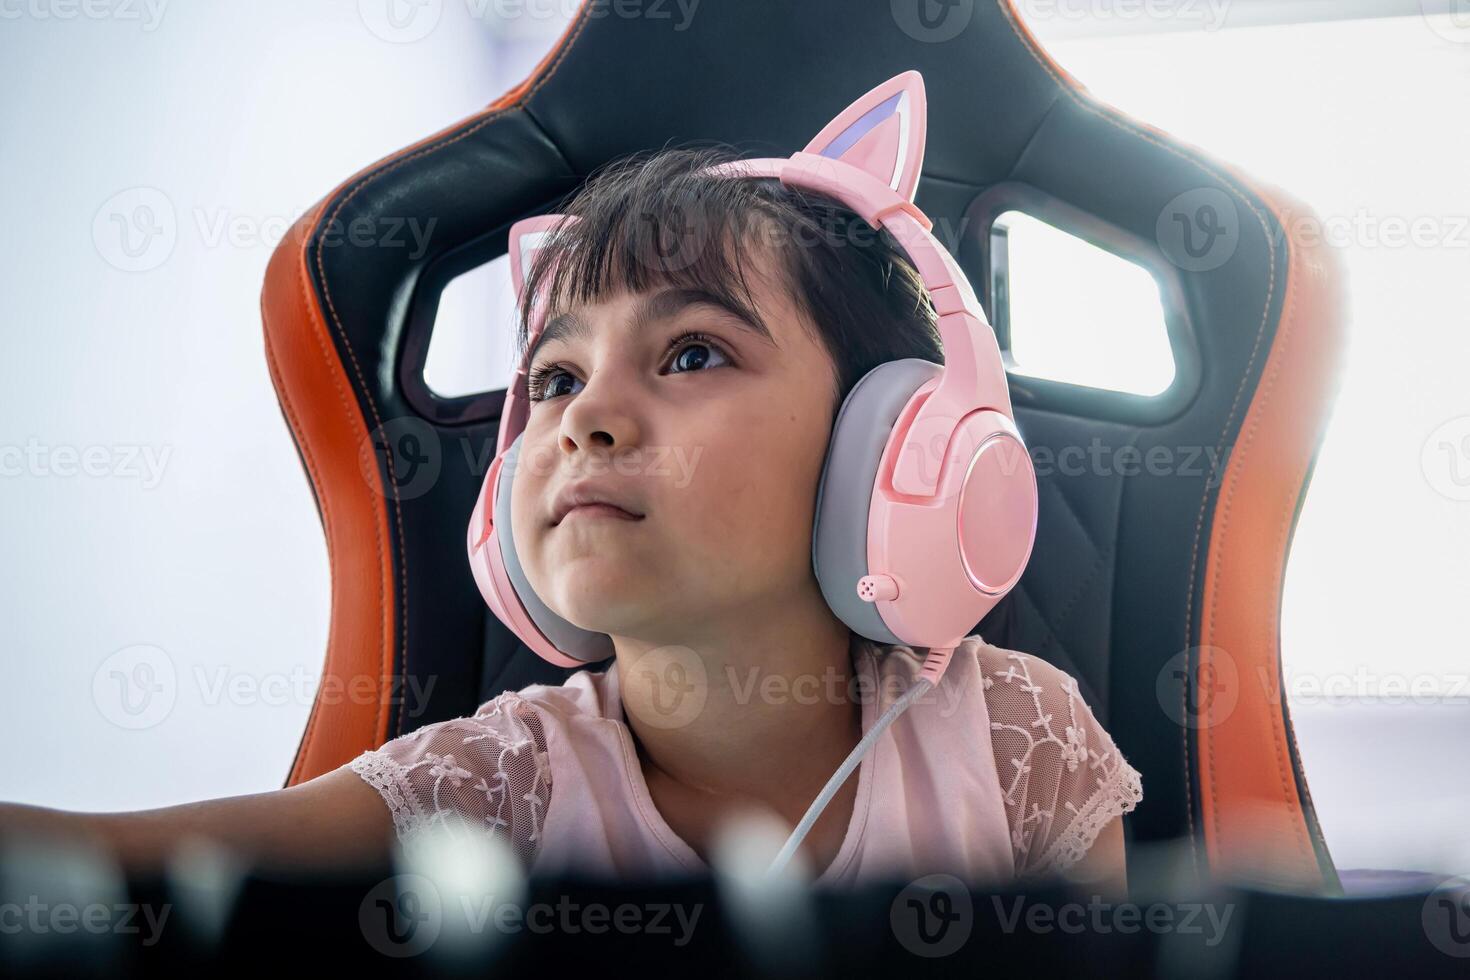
x=1066, y=310
x=472, y=341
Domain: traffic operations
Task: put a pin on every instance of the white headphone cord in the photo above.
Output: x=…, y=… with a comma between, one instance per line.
x=934, y=665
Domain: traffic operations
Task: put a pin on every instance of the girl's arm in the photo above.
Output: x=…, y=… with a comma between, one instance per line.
x=335, y=819
x=1104, y=866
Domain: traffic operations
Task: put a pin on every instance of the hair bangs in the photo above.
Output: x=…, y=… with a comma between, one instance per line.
x=649, y=222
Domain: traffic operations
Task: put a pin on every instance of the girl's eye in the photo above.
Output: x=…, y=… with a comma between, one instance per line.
x=691, y=351
x=545, y=382
x=700, y=347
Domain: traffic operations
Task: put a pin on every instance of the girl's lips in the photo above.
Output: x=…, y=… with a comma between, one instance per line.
x=584, y=493
x=600, y=511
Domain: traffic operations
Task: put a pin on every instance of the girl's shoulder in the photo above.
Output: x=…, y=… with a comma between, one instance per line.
x=489, y=771
x=1063, y=777
x=1022, y=673
x=588, y=693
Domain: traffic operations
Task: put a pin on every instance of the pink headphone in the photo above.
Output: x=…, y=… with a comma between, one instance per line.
x=926, y=510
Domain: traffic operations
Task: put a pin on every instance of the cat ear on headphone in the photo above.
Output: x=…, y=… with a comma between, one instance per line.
x=883, y=133
x=527, y=237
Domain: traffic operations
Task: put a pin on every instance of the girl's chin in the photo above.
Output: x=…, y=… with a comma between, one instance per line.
x=594, y=584
x=606, y=612
x=595, y=560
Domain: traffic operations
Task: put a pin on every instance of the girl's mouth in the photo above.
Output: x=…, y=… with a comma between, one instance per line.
x=600, y=512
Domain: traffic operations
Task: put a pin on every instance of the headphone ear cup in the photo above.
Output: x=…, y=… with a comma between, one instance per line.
x=860, y=433
x=575, y=642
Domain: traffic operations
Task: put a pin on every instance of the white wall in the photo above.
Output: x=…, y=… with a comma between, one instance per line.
x=230, y=115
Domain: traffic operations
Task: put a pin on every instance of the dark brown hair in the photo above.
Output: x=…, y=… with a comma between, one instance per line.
x=654, y=219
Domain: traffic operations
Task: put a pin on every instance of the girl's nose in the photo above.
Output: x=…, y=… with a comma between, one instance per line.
x=597, y=421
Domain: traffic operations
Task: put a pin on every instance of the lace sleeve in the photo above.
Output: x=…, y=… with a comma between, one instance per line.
x=1062, y=776
x=488, y=772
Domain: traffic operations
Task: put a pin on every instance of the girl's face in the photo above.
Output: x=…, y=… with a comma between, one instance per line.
x=712, y=429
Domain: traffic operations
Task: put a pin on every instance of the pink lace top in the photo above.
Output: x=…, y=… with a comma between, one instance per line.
x=1000, y=772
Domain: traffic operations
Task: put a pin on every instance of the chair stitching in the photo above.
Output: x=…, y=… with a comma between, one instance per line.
x=1076, y=518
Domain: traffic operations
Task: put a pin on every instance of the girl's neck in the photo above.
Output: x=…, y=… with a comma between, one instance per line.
x=764, y=712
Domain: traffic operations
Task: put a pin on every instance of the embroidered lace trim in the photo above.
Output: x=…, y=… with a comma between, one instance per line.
x=489, y=773
x=1063, y=777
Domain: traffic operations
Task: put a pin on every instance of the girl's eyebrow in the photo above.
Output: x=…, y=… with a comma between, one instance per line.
x=662, y=305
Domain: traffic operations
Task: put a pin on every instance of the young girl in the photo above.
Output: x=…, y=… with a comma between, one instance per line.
x=702, y=334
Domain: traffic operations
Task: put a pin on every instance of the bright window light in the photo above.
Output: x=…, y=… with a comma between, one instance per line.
x=472, y=345
x=1080, y=314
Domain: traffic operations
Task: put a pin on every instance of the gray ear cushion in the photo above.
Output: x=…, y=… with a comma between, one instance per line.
x=572, y=640
x=840, y=531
